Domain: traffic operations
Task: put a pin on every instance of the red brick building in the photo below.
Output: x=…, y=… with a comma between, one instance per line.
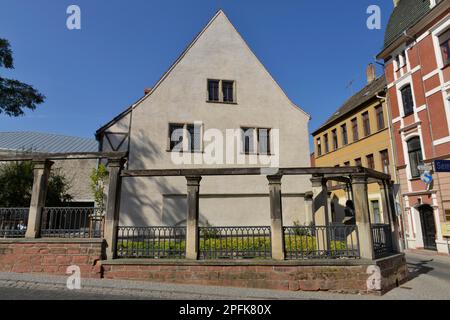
x=417, y=66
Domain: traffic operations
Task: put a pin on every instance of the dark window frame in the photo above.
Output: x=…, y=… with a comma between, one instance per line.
x=344, y=134
x=325, y=139
x=415, y=156
x=366, y=123
x=407, y=99
x=385, y=165
x=334, y=138
x=380, y=117
x=370, y=161
x=355, y=129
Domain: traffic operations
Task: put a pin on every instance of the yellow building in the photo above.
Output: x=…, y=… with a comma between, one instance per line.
x=357, y=135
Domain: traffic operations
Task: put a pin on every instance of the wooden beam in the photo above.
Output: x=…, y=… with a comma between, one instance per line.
x=62, y=156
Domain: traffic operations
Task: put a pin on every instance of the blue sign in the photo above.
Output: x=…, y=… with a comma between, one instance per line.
x=442, y=165
x=426, y=177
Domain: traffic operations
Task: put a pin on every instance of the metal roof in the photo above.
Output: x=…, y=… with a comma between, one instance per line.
x=45, y=142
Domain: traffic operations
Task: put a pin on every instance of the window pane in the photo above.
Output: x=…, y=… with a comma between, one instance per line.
x=335, y=140
x=355, y=129
x=415, y=156
x=325, y=138
x=247, y=140
x=264, y=141
x=319, y=147
x=227, y=89
x=344, y=134
x=213, y=90
x=407, y=99
x=176, y=137
x=370, y=162
x=366, y=123
x=194, y=143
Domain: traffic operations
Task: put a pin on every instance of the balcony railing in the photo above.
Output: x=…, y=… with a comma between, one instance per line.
x=67, y=222
x=151, y=242
x=382, y=239
x=235, y=243
x=13, y=222
x=321, y=242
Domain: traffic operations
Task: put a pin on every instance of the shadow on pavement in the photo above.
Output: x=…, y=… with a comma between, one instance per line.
x=416, y=269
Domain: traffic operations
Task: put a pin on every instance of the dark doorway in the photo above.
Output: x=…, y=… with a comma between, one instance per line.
x=428, y=227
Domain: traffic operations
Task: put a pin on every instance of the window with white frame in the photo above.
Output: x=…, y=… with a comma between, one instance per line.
x=407, y=99
x=444, y=44
x=415, y=156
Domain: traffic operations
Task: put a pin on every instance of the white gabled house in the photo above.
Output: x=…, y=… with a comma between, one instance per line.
x=217, y=86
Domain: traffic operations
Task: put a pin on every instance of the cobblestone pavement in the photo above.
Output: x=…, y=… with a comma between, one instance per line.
x=430, y=279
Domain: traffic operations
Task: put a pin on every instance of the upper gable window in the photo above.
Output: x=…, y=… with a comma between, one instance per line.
x=213, y=90
x=444, y=41
x=221, y=91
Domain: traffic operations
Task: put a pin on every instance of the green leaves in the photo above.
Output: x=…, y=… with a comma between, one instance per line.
x=15, y=96
x=99, y=178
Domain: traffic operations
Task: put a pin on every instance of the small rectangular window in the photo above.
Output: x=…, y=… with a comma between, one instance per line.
x=264, y=141
x=335, y=139
x=358, y=162
x=194, y=135
x=228, y=91
x=319, y=147
x=355, y=129
x=380, y=117
x=176, y=133
x=347, y=164
x=370, y=161
x=344, y=134
x=366, y=123
x=407, y=99
x=213, y=90
x=376, y=211
x=248, y=138
x=385, y=161
x=444, y=41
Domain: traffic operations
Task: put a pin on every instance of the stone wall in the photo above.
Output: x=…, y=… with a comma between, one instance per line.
x=350, y=276
x=52, y=256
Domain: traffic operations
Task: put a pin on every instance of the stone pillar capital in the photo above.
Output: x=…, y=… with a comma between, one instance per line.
x=116, y=162
x=308, y=196
x=359, y=178
x=193, y=181
x=275, y=179
x=318, y=181
x=42, y=164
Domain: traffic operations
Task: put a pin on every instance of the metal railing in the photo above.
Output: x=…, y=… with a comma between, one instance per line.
x=151, y=242
x=321, y=242
x=65, y=222
x=235, y=243
x=13, y=222
x=382, y=239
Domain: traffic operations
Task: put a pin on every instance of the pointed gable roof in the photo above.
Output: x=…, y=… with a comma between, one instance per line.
x=182, y=55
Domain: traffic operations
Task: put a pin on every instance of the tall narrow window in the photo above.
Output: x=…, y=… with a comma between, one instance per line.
x=376, y=211
x=415, y=156
x=248, y=139
x=355, y=129
x=407, y=99
x=370, y=161
x=344, y=134
x=358, y=162
x=194, y=135
x=176, y=132
x=366, y=123
x=319, y=147
x=263, y=141
x=384, y=155
x=380, y=117
x=325, y=141
x=213, y=90
x=444, y=41
x=228, y=91
x=335, y=139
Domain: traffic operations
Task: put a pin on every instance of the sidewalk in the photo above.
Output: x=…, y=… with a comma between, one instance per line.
x=154, y=290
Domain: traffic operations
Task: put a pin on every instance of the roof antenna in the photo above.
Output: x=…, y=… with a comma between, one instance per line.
x=350, y=86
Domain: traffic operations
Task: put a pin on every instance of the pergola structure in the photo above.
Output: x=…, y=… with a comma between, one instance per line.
x=356, y=178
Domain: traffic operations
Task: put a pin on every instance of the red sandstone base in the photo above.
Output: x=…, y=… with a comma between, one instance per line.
x=53, y=256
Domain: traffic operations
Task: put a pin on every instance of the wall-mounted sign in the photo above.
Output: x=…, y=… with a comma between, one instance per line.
x=426, y=177
x=442, y=165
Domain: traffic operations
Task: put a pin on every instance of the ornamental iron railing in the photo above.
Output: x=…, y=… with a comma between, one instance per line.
x=382, y=240
x=13, y=222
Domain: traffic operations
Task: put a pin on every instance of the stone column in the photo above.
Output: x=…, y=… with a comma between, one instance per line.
x=276, y=217
x=113, y=206
x=384, y=202
x=392, y=216
x=309, y=217
x=192, y=232
x=320, y=210
x=41, y=171
x=362, y=216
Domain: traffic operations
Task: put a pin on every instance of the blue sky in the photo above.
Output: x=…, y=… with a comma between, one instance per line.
x=312, y=48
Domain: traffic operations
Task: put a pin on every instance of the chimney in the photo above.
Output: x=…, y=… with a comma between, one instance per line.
x=370, y=72
x=396, y=3
x=147, y=90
